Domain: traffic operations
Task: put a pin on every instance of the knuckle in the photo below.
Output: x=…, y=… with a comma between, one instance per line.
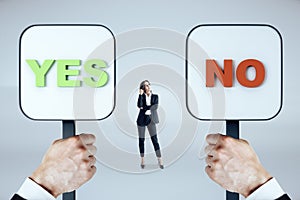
x=245, y=141
x=93, y=170
x=209, y=159
x=226, y=140
x=85, y=164
x=210, y=172
x=82, y=151
x=92, y=159
x=74, y=140
x=89, y=172
x=217, y=165
x=218, y=152
x=208, y=149
x=56, y=141
x=208, y=169
x=221, y=152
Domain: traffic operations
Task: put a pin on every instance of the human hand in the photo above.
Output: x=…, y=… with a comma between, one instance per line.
x=234, y=165
x=67, y=165
x=141, y=91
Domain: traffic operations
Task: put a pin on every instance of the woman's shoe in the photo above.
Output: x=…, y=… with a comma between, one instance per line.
x=142, y=163
x=160, y=163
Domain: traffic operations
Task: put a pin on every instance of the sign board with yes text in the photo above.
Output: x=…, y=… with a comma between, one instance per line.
x=67, y=72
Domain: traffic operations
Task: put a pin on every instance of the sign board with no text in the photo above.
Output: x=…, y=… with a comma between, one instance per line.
x=234, y=71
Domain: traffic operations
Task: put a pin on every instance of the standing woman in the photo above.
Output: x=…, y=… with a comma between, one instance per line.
x=148, y=104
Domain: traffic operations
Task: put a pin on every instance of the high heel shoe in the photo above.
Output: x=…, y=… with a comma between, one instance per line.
x=161, y=166
x=142, y=163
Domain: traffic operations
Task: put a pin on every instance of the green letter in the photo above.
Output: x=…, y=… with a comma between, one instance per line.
x=63, y=72
x=90, y=68
x=40, y=71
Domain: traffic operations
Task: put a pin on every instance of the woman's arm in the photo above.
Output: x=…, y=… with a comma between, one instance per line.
x=140, y=102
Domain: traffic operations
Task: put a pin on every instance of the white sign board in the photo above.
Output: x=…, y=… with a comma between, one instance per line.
x=234, y=71
x=67, y=72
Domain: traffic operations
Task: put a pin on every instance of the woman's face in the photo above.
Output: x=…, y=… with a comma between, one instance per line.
x=147, y=87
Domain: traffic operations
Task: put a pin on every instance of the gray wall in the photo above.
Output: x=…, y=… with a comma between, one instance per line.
x=23, y=142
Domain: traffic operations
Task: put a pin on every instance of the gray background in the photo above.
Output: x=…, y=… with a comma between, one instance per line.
x=23, y=142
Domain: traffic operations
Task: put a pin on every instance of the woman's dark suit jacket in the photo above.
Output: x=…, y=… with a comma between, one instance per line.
x=144, y=120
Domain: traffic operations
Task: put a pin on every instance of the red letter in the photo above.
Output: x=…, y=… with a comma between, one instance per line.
x=242, y=70
x=225, y=76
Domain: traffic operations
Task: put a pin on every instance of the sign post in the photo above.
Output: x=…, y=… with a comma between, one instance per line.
x=67, y=73
x=235, y=73
x=232, y=130
x=68, y=130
